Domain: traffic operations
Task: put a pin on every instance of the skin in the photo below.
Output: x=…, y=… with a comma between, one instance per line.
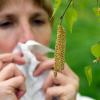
x=20, y=22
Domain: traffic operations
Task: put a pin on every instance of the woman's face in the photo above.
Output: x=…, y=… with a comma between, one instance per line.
x=20, y=21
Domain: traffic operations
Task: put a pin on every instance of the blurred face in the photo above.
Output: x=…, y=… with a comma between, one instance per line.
x=20, y=21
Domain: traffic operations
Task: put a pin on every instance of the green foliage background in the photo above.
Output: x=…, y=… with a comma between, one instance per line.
x=85, y=33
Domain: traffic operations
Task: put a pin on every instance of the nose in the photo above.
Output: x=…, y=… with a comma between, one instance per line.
x=26, y=32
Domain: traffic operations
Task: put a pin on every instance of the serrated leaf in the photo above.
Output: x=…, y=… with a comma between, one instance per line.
x=95, y=49
x=71, y=17
x=88, y=73
x=56, y=6
x=96, y=11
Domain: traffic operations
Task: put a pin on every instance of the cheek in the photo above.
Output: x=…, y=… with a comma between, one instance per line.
x=8, y=41
x=43, y=35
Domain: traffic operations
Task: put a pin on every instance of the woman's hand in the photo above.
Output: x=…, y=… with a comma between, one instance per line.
x=64, y=86
x=11, y=58
x=12, y=81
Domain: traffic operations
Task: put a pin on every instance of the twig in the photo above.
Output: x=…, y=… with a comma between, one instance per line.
x=67, y=6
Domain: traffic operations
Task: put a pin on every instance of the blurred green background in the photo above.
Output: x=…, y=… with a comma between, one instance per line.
x=86, y=32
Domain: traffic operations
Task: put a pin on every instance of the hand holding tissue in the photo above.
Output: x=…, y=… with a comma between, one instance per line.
x=33, y=84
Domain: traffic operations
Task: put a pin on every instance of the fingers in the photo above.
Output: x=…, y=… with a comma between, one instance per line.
x=11, y=58
x=51, y=80
x=17, y=84
x=43, y=66
x=11, y=77
x=54, y=92
x=62, y=92
x=61, y=86
x=14, y=58
x=9, y=72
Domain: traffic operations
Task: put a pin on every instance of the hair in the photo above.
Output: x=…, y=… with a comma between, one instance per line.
x=45, y=4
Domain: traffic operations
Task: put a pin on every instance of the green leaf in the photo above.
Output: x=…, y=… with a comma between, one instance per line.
x=71, y=17
x=96, y=11
x=95, y=49
x=82, y=4
x=88, y=72
x=56, y=6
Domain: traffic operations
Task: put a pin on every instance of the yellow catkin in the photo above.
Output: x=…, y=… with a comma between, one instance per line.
x=59, y=50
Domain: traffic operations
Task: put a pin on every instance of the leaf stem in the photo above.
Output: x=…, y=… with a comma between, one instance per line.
x=97, y=3
x=67, y=6
x=73, y=3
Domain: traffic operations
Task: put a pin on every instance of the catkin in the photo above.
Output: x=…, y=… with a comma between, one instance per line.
x=59, y=50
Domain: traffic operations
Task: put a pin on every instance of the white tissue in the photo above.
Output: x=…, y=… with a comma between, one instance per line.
x=33, y=84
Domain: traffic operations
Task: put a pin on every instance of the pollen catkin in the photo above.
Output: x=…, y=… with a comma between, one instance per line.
x=59, y=50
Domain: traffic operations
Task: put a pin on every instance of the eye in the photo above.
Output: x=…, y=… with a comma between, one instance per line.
x=6, y=24
x=38, y=22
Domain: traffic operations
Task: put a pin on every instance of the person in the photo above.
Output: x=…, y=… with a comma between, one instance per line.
x=20, y=21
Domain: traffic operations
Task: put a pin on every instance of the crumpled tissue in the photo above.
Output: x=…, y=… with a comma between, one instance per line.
x=33, y=84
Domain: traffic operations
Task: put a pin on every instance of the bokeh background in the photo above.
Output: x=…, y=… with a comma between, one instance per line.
x=86, y=32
